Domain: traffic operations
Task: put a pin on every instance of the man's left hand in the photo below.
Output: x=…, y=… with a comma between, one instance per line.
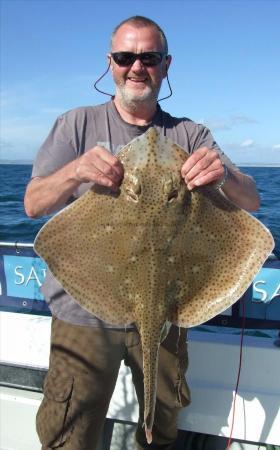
x=204, y=166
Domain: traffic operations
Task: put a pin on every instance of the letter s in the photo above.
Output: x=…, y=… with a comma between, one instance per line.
x=19, y=274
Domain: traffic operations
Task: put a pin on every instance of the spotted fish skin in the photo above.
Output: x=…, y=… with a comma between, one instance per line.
x=154, y=252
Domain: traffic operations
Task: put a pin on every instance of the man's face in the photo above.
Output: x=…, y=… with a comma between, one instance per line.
x=138, y=83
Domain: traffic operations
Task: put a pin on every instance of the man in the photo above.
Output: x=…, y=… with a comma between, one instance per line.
x=85, y=352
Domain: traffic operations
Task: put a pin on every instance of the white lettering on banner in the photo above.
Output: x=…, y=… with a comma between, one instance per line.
x=32, y=276
x=277, y=292
x=264, y=295
x=20, y=275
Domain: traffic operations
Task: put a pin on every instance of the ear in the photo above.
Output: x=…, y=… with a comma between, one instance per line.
x=167, y=63
x=109, y=59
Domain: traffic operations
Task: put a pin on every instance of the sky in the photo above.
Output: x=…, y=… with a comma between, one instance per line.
x=225, y=71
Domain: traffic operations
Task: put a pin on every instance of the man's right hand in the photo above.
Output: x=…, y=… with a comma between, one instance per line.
x=45, y=195
x=98, y=165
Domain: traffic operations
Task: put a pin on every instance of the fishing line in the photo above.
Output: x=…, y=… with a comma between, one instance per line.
x=242, y=301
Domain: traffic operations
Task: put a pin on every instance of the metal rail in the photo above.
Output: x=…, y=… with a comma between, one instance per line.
x=16, y=244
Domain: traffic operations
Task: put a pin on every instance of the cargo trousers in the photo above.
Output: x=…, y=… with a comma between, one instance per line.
x=84, y=366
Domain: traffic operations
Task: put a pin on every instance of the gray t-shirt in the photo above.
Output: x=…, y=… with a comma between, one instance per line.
x=83, y=128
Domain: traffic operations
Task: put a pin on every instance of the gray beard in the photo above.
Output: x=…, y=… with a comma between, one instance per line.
x=132, y=101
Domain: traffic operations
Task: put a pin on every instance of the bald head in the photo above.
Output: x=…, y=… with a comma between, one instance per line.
x=142, y=22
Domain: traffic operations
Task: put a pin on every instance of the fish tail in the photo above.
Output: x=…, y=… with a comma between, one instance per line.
x=148, y=424
x=149, y=436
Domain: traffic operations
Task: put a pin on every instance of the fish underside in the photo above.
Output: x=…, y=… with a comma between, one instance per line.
x=154, y=253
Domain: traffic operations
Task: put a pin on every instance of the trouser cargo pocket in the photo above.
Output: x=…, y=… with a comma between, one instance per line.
x=53, y=419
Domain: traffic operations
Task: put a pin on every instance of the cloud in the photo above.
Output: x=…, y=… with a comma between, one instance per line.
x=249, y=152
x=215, y=124
x=21, y=138
x=28, y=111
x=228, y=123
x=276, y=146
x=6, y=145
x=45, y=94
x=240, y=120
x=247, y=143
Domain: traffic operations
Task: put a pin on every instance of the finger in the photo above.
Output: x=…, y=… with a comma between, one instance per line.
x=91, y=174
x=110, y=159
x=209, y=161
x=107, y=170
x=193, y=159
x=206, y=177
x=102, y=180
x=99, y=160
x=86, y=171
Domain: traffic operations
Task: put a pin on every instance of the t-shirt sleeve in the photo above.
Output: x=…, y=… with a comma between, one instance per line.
x=204, y=138
x=56, y=151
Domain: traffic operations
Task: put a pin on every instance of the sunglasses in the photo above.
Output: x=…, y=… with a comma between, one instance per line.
x=148, y=59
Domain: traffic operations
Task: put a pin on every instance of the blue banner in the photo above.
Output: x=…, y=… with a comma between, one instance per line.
x=22, y=274
x=266, y=285
x=264, y=302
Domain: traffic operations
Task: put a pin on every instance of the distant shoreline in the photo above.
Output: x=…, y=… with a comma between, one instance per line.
x=258, y=165
x=18, y=162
